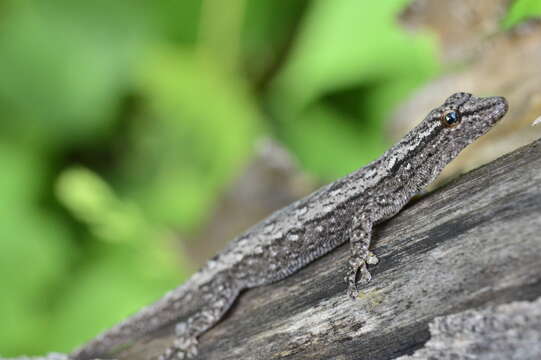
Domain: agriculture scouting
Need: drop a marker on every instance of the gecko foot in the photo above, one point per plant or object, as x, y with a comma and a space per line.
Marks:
184, 346
372, 259
358, 270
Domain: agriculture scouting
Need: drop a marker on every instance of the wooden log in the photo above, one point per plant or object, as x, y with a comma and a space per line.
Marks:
473, 243
508, 331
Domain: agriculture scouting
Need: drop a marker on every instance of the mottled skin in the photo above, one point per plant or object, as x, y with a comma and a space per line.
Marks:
292, 237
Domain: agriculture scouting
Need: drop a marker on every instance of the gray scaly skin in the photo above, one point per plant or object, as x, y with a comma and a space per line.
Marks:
292, 237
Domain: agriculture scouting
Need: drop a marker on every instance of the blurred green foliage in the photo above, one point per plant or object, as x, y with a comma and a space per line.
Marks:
122, 121
522, 10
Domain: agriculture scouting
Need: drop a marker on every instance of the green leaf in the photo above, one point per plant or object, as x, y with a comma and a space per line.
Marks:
64, 65
198, 131
117, 283
349, 52
34, 248
520, 11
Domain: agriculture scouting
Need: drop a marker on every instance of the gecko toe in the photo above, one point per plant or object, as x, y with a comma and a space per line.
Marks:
358, 275
372, 259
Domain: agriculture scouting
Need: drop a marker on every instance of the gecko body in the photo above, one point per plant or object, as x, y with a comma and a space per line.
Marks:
343, 211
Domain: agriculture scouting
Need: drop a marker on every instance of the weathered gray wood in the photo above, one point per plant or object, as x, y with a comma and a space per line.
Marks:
509, 331
472, 243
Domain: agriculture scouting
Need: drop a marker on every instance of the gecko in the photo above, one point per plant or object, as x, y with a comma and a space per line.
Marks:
289, 239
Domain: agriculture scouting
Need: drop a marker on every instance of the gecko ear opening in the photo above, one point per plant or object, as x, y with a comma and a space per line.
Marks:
451, 118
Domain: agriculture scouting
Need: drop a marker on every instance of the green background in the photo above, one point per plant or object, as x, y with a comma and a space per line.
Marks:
122, 121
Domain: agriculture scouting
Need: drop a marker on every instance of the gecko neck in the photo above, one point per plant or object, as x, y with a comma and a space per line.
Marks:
418, 158
403, 171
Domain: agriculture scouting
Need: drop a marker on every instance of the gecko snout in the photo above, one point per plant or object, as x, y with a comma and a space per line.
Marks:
499, 107
492, 109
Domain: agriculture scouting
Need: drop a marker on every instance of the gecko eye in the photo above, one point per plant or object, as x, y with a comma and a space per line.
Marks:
450, 118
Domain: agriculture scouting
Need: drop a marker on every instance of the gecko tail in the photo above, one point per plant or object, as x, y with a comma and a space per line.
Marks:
165, 311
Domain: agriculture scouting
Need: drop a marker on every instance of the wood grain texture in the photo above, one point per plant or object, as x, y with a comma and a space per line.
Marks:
503, 332
475, 242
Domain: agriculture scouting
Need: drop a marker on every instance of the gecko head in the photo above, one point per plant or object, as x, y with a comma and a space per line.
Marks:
470, 114
443, 134
462, 119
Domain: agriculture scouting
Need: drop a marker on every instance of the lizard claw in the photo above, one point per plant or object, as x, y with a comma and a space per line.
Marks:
372, 259
352, 281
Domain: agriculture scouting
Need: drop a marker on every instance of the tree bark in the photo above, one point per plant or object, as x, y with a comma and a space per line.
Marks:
474, 243
508, 331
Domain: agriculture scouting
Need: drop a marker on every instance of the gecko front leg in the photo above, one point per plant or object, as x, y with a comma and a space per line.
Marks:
216, 298
359, 240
